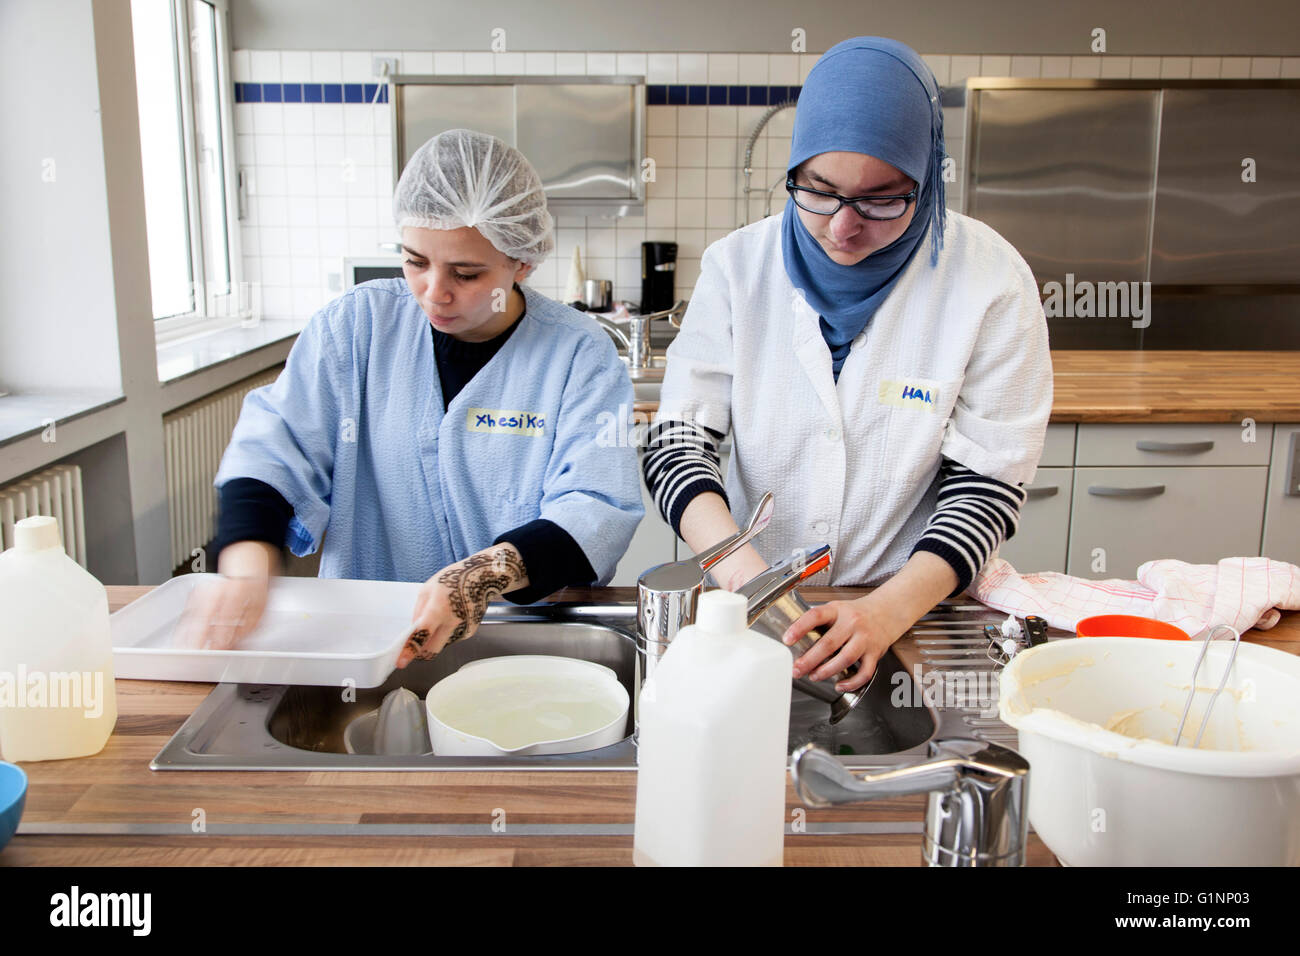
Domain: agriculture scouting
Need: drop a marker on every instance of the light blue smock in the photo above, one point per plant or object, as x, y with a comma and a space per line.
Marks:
354, 436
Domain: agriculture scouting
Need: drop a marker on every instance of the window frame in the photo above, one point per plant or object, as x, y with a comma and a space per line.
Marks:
211, 312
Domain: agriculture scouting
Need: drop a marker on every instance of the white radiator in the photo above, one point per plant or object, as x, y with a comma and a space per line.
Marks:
194, 439
55, 491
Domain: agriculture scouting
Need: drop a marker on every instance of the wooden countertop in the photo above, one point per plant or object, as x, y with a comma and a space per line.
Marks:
1173, 386
1176, 386
110, 809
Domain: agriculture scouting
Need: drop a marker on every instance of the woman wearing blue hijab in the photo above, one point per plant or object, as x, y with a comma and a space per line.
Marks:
880, 363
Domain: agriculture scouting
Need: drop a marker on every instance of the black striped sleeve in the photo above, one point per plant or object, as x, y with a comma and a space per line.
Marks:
974, 515
681, 461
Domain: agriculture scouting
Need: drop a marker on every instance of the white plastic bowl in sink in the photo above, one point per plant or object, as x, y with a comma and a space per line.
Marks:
1096, 718
525, 705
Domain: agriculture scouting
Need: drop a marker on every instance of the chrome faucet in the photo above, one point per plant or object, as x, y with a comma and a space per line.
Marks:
667, 596
774, 605
637, 337
977, 813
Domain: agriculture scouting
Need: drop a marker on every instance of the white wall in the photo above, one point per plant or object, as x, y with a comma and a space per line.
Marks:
59, 328
74, 266
1062, 27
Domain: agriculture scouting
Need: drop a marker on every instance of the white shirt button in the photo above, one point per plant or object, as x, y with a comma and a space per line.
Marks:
832, 434
820, 527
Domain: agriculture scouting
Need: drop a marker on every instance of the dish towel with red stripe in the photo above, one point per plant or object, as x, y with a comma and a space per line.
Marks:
1241, 592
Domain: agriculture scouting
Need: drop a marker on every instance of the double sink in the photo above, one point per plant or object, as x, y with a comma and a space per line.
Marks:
272, 727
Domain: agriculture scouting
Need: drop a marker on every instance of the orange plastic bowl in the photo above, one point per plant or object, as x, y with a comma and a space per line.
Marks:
1128, 625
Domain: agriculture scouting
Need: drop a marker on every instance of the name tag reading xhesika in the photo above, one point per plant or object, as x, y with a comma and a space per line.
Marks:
503, 421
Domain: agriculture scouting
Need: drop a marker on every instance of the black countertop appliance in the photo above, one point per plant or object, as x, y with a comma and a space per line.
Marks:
658, 270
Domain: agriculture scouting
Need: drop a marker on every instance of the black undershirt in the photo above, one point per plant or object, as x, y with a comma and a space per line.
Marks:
252, 510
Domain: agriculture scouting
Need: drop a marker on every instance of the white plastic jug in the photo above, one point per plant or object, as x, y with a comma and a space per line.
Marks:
57, 697
712, 756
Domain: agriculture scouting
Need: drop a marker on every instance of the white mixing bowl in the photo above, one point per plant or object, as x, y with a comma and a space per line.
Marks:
1096, 718
526, 705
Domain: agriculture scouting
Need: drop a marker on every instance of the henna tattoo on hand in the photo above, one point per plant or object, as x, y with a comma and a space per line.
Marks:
472, 583
416, 642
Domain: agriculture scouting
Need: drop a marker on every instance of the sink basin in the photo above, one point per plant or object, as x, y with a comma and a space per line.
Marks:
267, 727
314, 718
647, 382
654, 370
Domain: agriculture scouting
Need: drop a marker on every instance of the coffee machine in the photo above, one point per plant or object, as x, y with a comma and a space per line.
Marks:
658, 270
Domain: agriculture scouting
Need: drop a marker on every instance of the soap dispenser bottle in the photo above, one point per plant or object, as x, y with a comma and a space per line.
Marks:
57, 697
712, 745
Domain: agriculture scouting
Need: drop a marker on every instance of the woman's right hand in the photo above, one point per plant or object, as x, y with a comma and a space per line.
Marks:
223, 612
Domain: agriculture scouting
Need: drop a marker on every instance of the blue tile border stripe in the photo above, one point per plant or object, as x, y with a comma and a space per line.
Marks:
677, 94
656, 94
310, 92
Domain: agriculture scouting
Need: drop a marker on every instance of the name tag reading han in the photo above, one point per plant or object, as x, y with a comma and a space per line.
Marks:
918, 393
504, 422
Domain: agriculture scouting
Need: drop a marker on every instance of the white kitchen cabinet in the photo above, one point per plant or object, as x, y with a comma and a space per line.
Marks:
1058, 447
1282, 511
1178, 445
1040, 540
1123, 517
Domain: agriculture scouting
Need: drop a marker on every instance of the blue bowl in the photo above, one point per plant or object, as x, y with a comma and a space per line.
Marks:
13, 794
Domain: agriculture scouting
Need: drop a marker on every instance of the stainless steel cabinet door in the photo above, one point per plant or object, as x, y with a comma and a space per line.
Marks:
1040, 541
1123, 517
1226, 202
1068, 176
581, 138
429, 110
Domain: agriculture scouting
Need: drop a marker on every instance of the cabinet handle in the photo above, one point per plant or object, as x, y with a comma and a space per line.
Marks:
1041, 491
1175, 447
1108, 491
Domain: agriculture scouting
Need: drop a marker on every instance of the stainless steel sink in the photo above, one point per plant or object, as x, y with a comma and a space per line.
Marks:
647, 383
266, 727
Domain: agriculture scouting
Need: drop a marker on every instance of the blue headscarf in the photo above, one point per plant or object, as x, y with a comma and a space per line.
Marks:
875, 96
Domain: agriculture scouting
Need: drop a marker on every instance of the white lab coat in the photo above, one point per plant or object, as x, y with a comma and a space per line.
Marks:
954, 364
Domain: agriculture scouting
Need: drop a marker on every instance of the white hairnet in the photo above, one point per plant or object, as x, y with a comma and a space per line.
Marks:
466, 178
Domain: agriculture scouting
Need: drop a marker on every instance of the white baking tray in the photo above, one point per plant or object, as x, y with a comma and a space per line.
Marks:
319, 631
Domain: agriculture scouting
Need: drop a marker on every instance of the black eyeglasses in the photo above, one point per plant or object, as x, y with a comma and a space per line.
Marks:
879, 208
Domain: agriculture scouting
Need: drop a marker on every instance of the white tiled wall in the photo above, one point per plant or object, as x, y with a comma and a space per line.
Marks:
320, 174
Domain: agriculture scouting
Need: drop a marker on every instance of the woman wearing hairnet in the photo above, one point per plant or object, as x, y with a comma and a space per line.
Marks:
882, 367
442, 427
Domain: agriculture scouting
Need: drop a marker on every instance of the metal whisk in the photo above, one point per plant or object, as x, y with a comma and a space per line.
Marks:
1191, 694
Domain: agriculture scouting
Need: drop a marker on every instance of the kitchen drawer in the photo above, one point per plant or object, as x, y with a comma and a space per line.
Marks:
1040, 541
1282, 511
1197, 515
1219, 444
1058, 447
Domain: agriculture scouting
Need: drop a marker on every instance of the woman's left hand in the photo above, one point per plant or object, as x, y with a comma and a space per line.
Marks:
852, 631
451, 604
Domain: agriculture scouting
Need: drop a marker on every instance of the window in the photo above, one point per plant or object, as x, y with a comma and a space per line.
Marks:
181, 61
